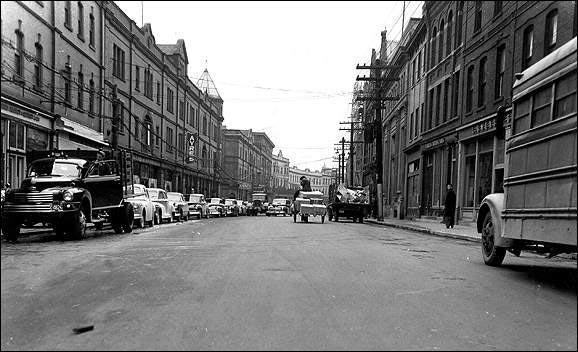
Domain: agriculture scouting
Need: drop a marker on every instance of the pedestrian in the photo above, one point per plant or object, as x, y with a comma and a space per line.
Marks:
450, 207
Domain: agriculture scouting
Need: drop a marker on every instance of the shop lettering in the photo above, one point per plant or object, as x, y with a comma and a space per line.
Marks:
23, 113
484, 126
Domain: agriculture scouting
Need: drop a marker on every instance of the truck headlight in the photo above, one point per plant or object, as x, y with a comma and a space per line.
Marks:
67, 196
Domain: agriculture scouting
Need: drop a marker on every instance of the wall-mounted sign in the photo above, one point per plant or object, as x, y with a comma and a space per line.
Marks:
192, 147
484, 126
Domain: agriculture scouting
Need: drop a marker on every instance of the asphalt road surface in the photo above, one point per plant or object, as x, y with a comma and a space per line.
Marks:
268, 283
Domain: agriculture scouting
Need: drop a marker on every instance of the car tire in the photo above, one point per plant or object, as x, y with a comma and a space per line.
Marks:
295, 217
11, 230
181, 215
140, 224
361, 219
493, 256
77, 229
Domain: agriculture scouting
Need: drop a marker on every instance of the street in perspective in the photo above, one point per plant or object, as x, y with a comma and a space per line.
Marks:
289, 176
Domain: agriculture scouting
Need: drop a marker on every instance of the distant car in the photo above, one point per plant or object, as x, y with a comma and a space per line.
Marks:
216, 207
279, 206
180, 206
231, 207
163, 204
144, 208
198, 206
242, 207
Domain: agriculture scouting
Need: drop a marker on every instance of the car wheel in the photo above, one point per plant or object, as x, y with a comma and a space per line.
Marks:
77, 229
493, 256
11, 230
295, 217
322, 219
140, 223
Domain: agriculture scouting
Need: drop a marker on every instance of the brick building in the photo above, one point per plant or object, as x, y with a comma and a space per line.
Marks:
62, 63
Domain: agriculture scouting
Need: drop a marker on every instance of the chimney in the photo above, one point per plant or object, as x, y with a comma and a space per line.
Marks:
383, 48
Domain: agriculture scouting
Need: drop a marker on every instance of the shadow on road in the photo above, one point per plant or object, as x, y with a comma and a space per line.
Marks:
559, 278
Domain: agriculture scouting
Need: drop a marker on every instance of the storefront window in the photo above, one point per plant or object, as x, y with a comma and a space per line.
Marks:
470, 180
36, 140
485, 175
16, 135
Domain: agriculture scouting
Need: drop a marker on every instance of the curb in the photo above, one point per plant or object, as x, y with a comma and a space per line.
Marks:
425, 230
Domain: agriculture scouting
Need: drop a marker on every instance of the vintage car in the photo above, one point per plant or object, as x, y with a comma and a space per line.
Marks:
216, 207
198, 206
231, 207
144, 208
279, 206
242, 207
164, 206
180, 206
68, 190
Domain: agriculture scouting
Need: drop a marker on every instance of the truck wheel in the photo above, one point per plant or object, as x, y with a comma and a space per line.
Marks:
77, 228
493, 256
322, 219
141, 222
11, 230
361, 219
128, 217
336, 218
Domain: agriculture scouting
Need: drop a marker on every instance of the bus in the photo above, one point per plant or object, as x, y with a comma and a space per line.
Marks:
537, 210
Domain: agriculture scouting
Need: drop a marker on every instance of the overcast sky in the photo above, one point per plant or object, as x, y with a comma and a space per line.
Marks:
284, 68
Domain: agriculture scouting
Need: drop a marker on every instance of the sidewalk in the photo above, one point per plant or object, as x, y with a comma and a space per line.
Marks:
466, 230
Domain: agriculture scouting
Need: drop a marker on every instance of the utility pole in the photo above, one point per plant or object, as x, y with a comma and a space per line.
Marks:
343, 159
115, 117
376, 75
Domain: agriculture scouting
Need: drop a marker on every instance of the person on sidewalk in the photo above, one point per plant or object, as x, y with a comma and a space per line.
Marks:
450, 206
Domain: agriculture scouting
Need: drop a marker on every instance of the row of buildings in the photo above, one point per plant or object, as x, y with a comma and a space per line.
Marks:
82, 74
453, 68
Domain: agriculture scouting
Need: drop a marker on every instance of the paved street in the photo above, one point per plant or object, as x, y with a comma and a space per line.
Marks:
267, 283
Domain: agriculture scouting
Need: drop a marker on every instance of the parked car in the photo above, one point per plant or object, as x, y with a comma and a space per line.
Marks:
198, 206
216, 207
180, 206
279, 206
231, 207
165, 206
144, 208
242, 207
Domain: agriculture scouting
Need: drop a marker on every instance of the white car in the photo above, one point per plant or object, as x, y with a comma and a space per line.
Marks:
144, 208
231, 207
216, 207
198, 206
242, 207
164, 206
180, 206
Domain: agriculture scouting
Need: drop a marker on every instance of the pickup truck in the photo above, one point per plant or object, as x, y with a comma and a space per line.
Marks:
68, 190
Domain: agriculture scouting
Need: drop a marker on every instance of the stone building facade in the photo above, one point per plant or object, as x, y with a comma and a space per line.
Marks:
280, 174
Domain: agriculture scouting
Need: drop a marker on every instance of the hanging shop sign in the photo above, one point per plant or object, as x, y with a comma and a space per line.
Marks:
192, 147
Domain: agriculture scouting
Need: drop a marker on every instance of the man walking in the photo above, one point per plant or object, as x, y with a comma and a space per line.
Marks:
450, 206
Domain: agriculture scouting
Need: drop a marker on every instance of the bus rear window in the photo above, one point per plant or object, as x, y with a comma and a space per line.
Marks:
565, 102
522, 115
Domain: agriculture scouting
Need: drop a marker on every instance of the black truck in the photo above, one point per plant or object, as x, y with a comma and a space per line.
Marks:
355, 210
70, 188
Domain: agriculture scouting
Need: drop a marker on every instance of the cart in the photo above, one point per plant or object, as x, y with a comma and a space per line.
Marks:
309, 204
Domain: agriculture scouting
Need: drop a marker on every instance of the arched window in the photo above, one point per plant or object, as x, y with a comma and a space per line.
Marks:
441, 47
204, 156
433, 46
459, 20
482, 82
551, 32
146, 131
449, 33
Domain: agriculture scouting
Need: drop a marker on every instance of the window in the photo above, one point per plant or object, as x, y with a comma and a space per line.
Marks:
148, 83
541, 106
446, 93
441, 46
470, 89
449, 33
118, 62
456, 91
459, 20
80, 89
433, 47
205, 124
91, 94
91, 29
158, 136
551, 32
182, 110
528, 46
478, 16
137, 78
565, 97
439, 105
413, 72
80, 21
169, 139
16, 135
136, 128
181, 143
170, 100
67, 14
191, 115
482, 82
158, 92
431, 111
19, 53
497, 7
419, 65
148, 131
522, 115
38, 66
500, 69
67, 81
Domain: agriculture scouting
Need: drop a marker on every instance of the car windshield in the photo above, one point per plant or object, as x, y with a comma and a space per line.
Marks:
54, 168
279, 201
258, 196
229, 201
215, 200
153, 193
194, 199
174, 196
